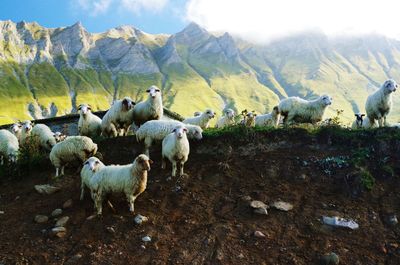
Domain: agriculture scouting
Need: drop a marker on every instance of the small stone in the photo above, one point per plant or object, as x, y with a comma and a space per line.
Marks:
67, 204
330, 259
246, 198
59, 231
43, 231
91, 217
56, 212
392, 220
283, 206
142, 246
74, 259
139, 219
259, 234
110, 229
62, 221
1, 212
258, 204
262, 211
241, 256
146, 239
46, 189
40, 219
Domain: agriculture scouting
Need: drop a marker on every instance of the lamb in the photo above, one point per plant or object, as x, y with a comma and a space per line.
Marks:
16, 129
295, 109
175, 147
43, 136
71, 149
151, 109
156, 130
358, 123
270, 119
202, 120
226, 120
129, 179
8, 146
249, 118
90, 167
118, 118
26, 131
379, 103
88, 124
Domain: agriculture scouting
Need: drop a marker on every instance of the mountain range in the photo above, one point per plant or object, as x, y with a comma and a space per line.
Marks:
47, 72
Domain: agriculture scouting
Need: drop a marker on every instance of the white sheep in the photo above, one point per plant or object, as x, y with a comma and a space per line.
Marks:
8, 146
118, 118
90, 167
379, 103
129, 179
202, 120
175, 147
43, 137
226, 120
26, 131
71, 149
151, 109
156, 130
88, 124
358, 123
295, 109
16, 129
249, 118
270, 119
59, 136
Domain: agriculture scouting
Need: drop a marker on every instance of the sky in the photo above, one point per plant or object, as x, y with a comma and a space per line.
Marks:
258, 20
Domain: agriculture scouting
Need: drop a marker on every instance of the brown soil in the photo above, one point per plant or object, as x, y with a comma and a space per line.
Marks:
204, 218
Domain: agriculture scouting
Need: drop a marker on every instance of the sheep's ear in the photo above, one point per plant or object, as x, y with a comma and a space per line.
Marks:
185, 129
157, 90
89, 107
148, 90
362, 115
150, 161
174, 130
79, 107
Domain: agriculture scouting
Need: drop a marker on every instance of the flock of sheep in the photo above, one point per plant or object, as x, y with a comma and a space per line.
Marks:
144, 118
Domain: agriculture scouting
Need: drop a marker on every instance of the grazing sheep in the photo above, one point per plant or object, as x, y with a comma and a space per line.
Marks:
16, 129
43, 136
202, 120
26, 131
88, 124
156, 130
379, 103
358, 123
71, 149
118, 118
226, 120
8, 146
59, 136
129, 179
90, 167
151, 109
295, 109
270, 119
175, 147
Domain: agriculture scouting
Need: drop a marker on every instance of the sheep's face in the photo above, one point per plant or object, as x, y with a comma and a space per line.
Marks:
326, 100
93, 163
84, 109
196, 132
16, 127
359, 116
210, 113
251, 115
58, 136
390, 86
27, 126
153, 90
197, 113
179, 131
127, 104
230, 113
143, 162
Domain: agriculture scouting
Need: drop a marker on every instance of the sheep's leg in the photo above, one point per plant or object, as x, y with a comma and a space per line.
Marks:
173, 168
2, 160
384, 121
163, 163
82, 190
181, 168
147, 144
62, 170
57, 173
131, 199
98, 203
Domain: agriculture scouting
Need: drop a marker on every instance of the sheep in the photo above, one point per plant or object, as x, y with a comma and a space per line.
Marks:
118, 117
156, 130
88, 124
249, 118
16, 129
358, 123
90, 167
9, 146
26, 131
226, 120
151, 109
72, 148
129, 179
379, 103
175, 147
202, 120
270, 119
43, 136
295, 109
59, 136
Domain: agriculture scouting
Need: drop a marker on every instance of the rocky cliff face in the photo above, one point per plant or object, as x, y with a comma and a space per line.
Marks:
46, 72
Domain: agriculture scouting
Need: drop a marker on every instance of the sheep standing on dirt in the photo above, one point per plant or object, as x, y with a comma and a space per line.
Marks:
26, 131
227, 120
175, 147
90, 167
43, 137
358, 123
151, 109
270, 119
118, 118
202, 120
8, 146
88, 124
71, 149
129, 179
16, 129
156, 130
295, 109
379, 104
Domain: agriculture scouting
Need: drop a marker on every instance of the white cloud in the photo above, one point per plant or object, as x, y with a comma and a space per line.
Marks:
141, 5
94, 7
266, 19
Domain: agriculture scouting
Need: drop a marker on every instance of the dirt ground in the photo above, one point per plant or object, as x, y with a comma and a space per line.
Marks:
205, 218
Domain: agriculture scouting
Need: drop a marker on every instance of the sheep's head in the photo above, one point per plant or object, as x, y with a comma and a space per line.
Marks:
179, 131
197, 113
251, 115
143, 162
127, 104
326, 100
230, 113
59, 136
195, 132
153, 91
27, 126
210, 113
359, 118
93, 163
390, 86
84, 109
16, 127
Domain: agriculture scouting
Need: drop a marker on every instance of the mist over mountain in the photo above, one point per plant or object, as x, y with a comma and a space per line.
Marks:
49, 71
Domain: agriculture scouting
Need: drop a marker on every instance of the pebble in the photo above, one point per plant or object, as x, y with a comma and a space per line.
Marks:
258, 204
142, 246
283, 206
146, 239
330, 259
139, 219
40, 219
56, 212
62, 221
74, 259
261, 211
110, 229
1, 212
46, 189
259, 234
67, 204
91, 217
59, 231
393, 220
246, 198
